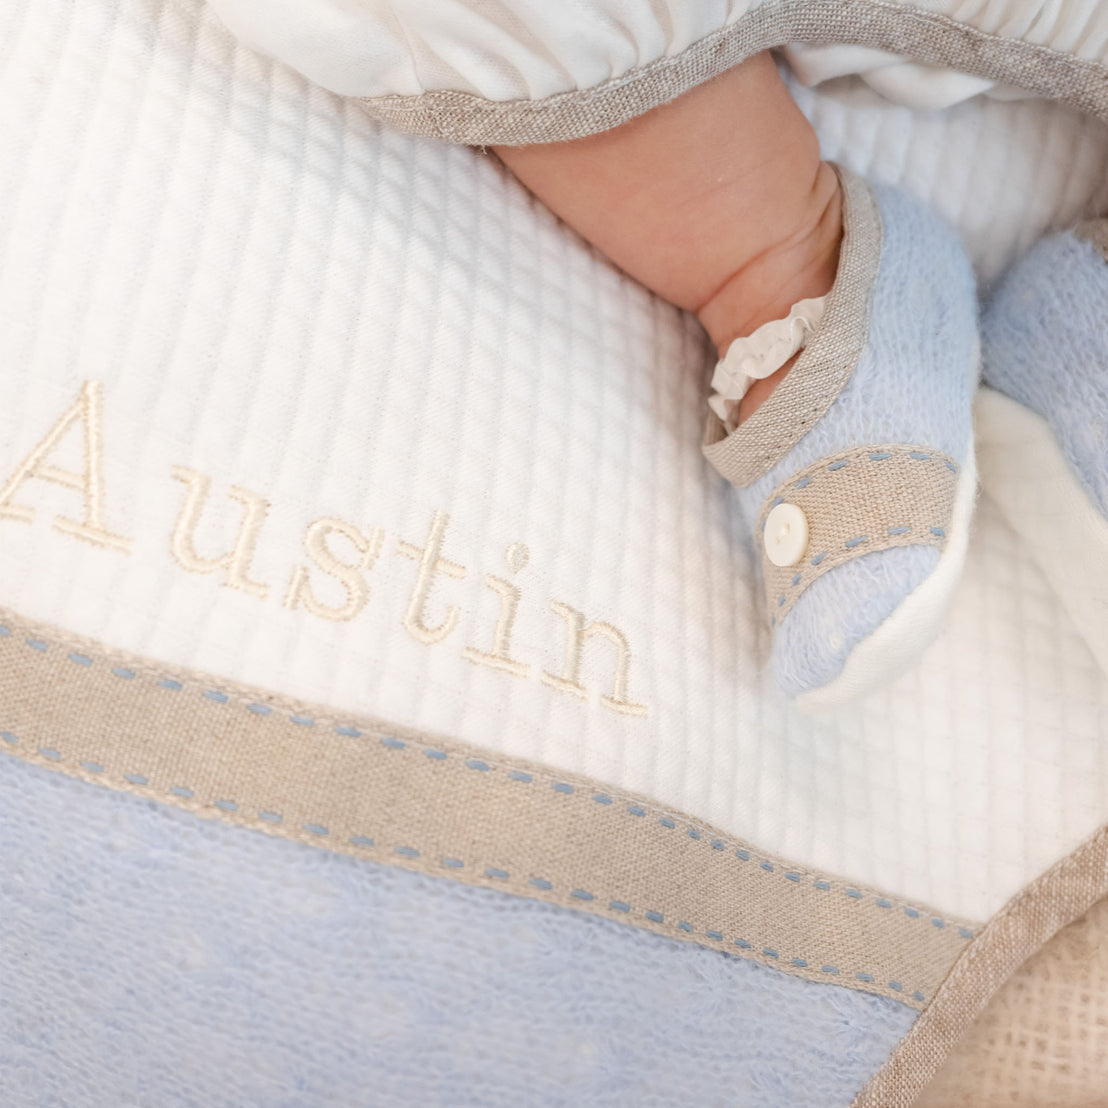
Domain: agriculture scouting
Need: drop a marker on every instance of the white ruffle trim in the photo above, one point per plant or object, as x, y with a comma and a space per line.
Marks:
754, 357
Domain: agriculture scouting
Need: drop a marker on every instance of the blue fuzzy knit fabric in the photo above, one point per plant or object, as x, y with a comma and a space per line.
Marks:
914, 383
152, 958
1045, 344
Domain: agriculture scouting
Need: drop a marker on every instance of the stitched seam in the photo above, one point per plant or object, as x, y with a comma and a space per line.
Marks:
401, 104
489, 876
893, 534
632, 806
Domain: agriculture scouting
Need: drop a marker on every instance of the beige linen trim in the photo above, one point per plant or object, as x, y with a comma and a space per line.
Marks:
859, 502
1043, 1040
925, 36
1029, 920
825, 364
404, 798
1096, 232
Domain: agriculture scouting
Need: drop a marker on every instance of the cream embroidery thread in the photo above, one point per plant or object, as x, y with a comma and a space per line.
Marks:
89, 483
577, 634
348, 572
430, 562
350, 575
516, 557
236, 561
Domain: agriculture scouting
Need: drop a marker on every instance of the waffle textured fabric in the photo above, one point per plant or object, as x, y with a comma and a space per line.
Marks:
174, 961
914, 384
1045, 344
274, 294
1043, 1040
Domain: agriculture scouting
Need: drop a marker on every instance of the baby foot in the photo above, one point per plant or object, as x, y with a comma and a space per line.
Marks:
856, 477
1044, 430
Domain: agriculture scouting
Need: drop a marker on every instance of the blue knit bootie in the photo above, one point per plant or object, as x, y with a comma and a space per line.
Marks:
856, 476
1043, 420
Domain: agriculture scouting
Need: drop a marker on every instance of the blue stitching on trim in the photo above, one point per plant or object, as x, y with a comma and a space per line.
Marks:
769, 952
830, 969
684, 925
276, 817
541, 883
655, 917
499, 874
867, 977
938, 531
917, 995
182, 791
898, 530
839, 464
803, 483
361, 840
316, 828
716, 935
800, 962
880, 456
819, 558
477, 764
742, 944
896, 986
406, 851
857, 541
917, 456
453, 863
619, 905
136, 779
518, 775
581, 894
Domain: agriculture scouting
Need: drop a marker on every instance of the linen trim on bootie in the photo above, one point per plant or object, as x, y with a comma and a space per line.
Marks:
858, 502
826, 364
755, 357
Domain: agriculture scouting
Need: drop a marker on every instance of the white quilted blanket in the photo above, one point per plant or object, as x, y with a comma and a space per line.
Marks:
269, 291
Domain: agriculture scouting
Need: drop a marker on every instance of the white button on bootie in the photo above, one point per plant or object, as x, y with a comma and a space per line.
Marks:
856, 476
